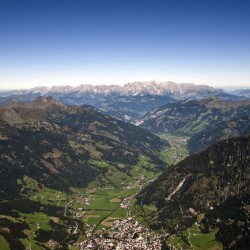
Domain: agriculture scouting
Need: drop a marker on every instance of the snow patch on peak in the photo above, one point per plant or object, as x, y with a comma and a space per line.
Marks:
134, 89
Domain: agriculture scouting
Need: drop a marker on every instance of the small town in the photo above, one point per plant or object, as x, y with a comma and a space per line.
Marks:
124, 234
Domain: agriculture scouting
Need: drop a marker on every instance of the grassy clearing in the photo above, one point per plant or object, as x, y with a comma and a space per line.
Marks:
36, 220
102, 206
108, 221
4, 244
168, 155
96, 217
146, 214
10, 218
31, 243
205, 241
193, 238
92, 216
115, 200
113, 193
144, 169
102, 203
100, 164
42, 194
120, 213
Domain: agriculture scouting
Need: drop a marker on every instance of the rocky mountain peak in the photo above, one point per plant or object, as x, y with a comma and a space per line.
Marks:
134, 88
43, 102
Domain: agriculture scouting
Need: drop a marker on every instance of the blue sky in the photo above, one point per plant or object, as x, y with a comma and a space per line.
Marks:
58, 42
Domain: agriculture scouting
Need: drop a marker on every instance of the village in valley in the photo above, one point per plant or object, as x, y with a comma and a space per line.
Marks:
123, 234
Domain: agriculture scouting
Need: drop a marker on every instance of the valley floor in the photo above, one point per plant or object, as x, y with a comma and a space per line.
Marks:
100, 218
106, 217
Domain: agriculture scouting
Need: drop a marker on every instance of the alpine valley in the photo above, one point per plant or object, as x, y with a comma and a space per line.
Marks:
149, 165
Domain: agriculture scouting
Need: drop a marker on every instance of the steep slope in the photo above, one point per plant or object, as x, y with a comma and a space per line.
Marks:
213, 185
63, 146
205, 121
234, 127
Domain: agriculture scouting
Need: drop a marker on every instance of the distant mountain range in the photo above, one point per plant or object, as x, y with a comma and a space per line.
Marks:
211, 189
241, 92
136, 88
128, 102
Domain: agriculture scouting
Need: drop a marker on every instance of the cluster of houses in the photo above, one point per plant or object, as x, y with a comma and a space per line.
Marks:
124, 234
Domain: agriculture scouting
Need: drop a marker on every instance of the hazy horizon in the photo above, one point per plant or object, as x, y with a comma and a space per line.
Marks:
230, 88
49, 42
